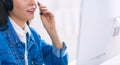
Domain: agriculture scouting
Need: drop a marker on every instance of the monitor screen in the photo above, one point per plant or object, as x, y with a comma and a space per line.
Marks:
96, 31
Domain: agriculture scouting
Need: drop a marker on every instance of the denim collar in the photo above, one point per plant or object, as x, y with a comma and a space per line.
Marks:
11, 35
13, 38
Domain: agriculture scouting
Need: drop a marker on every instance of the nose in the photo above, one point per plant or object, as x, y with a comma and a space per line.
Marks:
32, 2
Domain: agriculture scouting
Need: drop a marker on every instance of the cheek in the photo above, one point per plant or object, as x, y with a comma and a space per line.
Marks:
19, 9
19, 6
18, 12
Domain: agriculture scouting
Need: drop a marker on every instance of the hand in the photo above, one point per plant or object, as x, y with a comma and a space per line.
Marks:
47, 18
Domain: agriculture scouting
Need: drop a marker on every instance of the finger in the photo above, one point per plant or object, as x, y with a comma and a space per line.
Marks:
44, 9
48, 13
44, 12
41, 7
38, 3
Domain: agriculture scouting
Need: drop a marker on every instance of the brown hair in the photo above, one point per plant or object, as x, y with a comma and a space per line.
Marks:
3, 14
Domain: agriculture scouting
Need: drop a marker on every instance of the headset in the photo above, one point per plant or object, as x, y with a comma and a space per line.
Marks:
8, 4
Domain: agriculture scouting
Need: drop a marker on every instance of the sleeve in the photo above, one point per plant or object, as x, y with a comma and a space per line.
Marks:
60, 52
54, 56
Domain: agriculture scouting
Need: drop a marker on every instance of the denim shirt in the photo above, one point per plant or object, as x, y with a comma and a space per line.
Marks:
12, 50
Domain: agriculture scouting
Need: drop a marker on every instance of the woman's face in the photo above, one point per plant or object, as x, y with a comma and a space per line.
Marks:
23, 9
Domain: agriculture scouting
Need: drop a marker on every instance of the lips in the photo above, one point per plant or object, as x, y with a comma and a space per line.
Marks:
31, 11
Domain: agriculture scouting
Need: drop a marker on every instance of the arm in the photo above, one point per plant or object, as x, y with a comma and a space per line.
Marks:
48, 22
57, 52
53, 55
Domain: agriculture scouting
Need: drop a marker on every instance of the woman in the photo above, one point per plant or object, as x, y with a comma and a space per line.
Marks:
21, 45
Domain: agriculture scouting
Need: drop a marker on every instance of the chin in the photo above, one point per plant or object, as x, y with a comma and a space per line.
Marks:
30, 18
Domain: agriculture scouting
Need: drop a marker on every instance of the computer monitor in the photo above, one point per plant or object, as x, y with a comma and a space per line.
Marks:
96, 31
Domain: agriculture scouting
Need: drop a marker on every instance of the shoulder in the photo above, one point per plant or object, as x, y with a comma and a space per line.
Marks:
1, 35
2, 41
